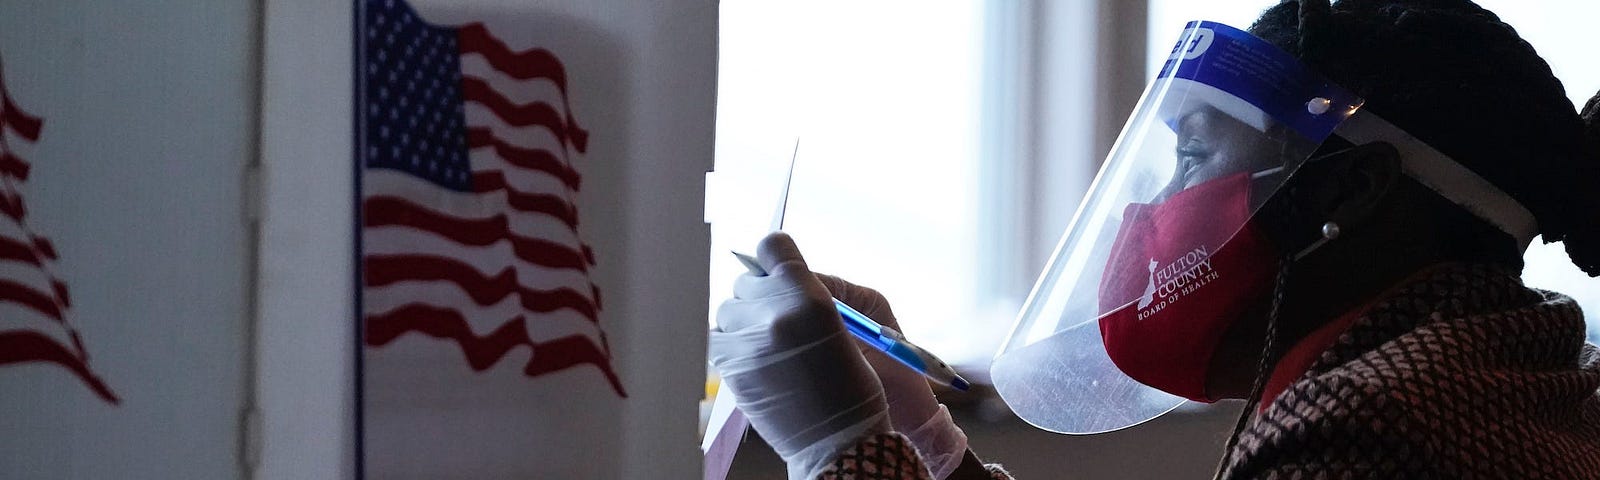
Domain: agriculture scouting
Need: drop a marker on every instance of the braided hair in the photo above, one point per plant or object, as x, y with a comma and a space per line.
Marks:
1453, 75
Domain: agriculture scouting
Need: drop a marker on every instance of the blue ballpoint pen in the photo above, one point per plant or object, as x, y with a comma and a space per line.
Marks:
884, 339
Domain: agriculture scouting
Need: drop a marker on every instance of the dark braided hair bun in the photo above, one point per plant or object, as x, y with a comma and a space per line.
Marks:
1453, 75
1583, 240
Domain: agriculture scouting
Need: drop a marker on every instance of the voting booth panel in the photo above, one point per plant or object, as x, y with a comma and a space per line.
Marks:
124, 259
227, 252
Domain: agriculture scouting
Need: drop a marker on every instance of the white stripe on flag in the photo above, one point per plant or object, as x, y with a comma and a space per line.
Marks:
487, 260
15, 143
27, 274
523, 179
9, 228
386, 181
16, 317
521, 92
532, 136
467, 206
482, 319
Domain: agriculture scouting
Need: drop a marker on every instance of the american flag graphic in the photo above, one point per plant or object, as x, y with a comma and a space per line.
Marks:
469, 222
34, 303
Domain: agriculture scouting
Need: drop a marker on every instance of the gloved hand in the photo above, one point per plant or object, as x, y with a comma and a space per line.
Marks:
794, 370
913, 410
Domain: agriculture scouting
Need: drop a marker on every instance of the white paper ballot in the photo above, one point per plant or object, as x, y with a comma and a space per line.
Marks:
726, 427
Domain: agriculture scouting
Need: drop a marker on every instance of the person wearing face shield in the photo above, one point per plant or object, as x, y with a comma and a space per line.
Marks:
1324, 216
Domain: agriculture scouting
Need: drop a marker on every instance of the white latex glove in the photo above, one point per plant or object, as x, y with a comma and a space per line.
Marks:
913, 410
794, 370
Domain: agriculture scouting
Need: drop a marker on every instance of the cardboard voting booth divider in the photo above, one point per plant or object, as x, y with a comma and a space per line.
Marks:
376, 239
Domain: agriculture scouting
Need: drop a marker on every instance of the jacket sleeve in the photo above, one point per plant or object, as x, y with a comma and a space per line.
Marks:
886, 456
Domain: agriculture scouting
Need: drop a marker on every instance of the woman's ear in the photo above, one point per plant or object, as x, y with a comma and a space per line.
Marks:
1351, 185
1370, 176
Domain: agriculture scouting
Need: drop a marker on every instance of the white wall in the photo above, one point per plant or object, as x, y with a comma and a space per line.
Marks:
136, 179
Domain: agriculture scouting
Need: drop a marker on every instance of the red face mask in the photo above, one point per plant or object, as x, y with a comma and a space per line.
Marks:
1177, 278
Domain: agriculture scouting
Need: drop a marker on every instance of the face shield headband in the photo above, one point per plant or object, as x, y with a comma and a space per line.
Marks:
1165, 253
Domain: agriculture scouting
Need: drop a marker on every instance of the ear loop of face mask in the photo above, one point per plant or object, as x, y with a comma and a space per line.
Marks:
1269, 345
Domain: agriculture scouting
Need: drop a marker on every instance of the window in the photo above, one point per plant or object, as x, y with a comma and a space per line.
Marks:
884, 98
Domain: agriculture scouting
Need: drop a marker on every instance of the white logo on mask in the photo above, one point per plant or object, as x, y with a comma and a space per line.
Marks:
1150, 288
1183, 276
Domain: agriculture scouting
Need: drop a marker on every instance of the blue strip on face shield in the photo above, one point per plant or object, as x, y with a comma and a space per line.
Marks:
1225, 104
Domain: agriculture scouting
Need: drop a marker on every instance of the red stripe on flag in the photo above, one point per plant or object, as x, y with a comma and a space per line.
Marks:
62, 296
524, 65
25, 125
483, 352
475, 89
44, 247
14, 166
18, 252
381, 270
35, 253
567, 352
27, 296
21, 346
11, 205
386, 210
552, 205
530, 158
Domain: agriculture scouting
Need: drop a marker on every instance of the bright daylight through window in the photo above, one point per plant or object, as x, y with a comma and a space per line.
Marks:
886, 114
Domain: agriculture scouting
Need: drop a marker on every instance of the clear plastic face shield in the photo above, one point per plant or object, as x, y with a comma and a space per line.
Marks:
1164, 235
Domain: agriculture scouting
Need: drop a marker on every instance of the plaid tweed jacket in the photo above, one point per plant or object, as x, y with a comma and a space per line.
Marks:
1463, 373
